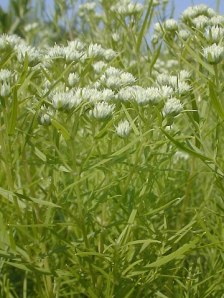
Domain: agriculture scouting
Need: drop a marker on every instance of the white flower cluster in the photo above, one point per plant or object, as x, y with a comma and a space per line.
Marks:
180, 156
214, 53
214, 34
202, 17
45, 116
116, 36
33, 55
5, 82
144, 96
73, 79
217, 20
78, 51
99, 66
194, 18
102, 110
170, 25
200, 22
94, 86
132, 93
166, 66
123, 129
31, 26
115, 78
194, 11
171, 86
65, 100
9, 41
172, 107
86, 8
125, 7
184, 34
178, 83
94, 95
20, 48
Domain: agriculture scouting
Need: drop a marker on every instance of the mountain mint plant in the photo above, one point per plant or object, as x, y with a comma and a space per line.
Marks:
111, 150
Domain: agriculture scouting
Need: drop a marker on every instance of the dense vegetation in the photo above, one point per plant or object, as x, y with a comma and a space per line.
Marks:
111, 150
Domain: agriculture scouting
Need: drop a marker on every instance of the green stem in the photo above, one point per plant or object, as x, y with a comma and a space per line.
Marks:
216, 141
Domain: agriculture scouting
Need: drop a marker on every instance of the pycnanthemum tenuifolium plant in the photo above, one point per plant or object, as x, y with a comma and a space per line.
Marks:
111, 151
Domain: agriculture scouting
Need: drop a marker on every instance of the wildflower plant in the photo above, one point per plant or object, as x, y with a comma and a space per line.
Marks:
111, 152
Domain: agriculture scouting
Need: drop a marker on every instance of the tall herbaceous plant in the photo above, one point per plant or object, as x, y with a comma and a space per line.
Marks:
111, 150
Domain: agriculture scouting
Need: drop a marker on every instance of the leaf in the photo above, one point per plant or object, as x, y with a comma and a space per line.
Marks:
132, 217
120, 151
37, 201
9, 196
154, 211
103, 272
144, 241
174, 255
144, 25
4, 254
183, 147
40, 154
13, 118
24, 75
214, 99
133, 126
131, 266
18, 265
61, 128
103, 131
92, 253
197, 57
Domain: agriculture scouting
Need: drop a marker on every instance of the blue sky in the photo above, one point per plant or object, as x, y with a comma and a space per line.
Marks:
180, 5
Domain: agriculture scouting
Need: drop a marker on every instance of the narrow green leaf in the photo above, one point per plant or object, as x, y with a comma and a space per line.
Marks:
103, 131
132, 217
144, 25
197, 57
215, 101
103, 272
37, 201
131, 266
13, 118
9, 196
18, 265
61, 128
24, 71
174, 255
148, 241
154, 211
183, 147
131, 121
40, 154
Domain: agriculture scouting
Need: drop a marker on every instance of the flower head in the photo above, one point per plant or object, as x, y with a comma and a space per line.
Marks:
102, 110
123, 129
5, 82
214, 53
66, 100
171, 25
172, 107
214, 34
73, 78
45, 116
